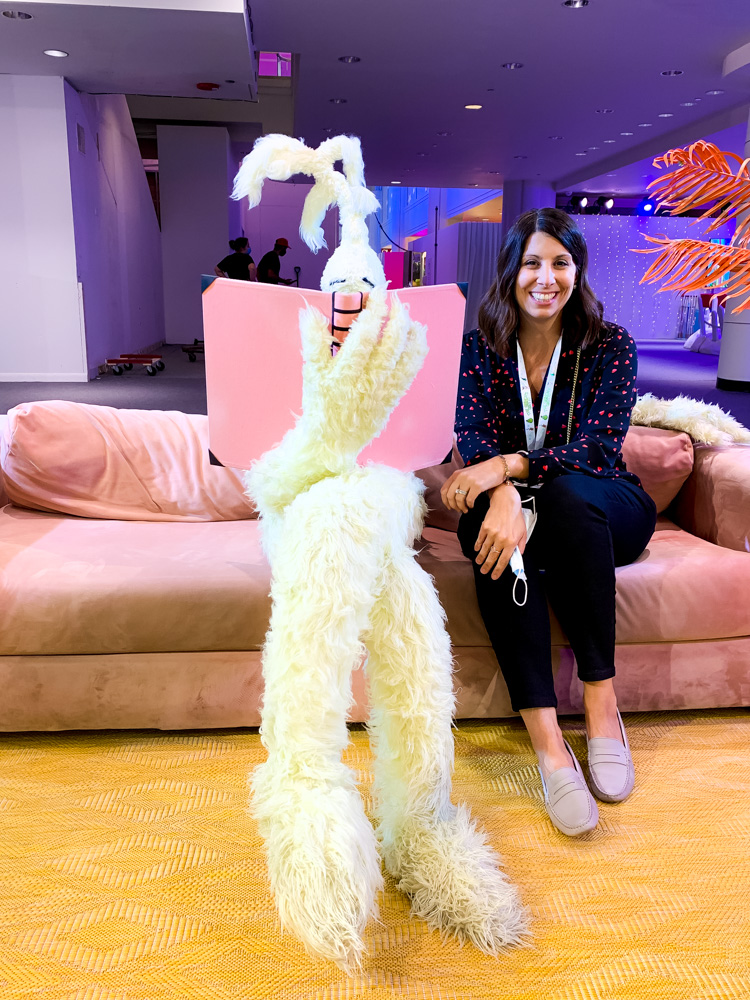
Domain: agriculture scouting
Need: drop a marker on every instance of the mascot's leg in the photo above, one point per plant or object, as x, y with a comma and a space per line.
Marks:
432, 847
322, 853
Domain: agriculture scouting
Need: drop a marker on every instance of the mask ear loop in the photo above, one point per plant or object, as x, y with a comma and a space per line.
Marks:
521, 577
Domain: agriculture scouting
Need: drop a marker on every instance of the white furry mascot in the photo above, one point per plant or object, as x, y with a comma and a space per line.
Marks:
345, 581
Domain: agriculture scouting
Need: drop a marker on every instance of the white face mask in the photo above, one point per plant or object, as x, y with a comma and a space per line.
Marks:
516, 560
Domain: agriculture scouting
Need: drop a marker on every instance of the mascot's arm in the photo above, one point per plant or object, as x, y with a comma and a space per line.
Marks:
346, 399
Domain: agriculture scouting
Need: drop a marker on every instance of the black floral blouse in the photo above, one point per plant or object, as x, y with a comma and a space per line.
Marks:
489, 413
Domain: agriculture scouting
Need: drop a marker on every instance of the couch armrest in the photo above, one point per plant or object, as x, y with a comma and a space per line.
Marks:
714, 503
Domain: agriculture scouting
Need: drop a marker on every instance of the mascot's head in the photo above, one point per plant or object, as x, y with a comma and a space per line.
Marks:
353, 266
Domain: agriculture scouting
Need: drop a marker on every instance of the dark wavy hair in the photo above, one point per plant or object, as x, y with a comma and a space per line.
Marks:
582, 314
238, 244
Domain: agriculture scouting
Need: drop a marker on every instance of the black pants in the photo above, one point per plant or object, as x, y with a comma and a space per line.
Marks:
585, 527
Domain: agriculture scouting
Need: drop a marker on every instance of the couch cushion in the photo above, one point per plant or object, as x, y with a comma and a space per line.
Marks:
682, 588
662, 460
70, 586
99, 461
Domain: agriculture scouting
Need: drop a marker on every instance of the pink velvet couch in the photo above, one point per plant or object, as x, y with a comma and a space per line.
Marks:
134, 592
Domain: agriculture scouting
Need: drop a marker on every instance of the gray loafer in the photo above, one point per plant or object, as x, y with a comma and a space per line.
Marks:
568, 800
611, 771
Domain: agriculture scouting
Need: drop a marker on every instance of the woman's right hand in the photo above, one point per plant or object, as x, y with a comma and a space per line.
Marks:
503, 528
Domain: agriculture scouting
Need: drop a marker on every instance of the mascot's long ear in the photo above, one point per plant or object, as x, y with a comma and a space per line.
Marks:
275, 157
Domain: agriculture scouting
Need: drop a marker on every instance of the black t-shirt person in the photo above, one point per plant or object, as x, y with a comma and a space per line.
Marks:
270, 264
235, 265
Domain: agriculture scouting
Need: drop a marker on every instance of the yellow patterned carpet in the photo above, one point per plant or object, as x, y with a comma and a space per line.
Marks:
129, 870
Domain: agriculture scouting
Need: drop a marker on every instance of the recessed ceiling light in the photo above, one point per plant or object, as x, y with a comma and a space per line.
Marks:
395, 182
328, 130
474, 185
554, 137
349, 59
671, 72
56, 53
688, 104
230, 81
520, 156
473, 107
490, 90
592, 147
604, 111
421, 154
337, 100
714, 93
581, 154
512, 65
666, 114
645, 125
611, 175
610, 140
19, 15
626, 133
495, 173
444, 134
575, 4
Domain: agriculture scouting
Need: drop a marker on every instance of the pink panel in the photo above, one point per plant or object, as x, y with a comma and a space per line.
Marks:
254, 372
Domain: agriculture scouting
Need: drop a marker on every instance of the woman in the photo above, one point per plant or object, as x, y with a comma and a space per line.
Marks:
238, 265
542, 343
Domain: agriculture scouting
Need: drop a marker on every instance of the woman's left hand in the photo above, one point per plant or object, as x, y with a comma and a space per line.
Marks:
464, 486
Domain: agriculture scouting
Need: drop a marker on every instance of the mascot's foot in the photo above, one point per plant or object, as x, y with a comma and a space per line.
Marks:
453, 878
323, 863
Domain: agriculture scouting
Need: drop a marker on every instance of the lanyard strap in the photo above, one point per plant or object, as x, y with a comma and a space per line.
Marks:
535, 434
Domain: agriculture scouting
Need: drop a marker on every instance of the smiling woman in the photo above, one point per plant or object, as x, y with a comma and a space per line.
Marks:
545, 397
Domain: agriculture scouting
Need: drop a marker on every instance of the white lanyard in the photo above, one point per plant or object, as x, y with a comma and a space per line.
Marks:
535, 434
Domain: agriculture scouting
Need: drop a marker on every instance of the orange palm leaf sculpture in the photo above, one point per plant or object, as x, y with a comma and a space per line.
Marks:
703, 178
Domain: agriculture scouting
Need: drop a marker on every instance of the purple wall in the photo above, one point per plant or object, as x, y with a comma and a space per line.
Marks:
118, 253
615, 271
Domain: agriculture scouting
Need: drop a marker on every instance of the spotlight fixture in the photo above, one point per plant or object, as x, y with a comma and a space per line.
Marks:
645, 207
575, 4
17, 15
671, 72
472, 107
56, 53
577, 203
337, 100
512, 65
714, 93
604, 203
349, 59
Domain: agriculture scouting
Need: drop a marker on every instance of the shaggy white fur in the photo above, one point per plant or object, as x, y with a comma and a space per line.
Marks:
345, 581
706, 423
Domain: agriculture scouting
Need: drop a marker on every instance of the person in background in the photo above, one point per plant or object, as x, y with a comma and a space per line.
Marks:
238, 265
544, 402
270, 264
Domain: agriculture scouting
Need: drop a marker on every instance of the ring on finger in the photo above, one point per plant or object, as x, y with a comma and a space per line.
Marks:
463, 493
496, 551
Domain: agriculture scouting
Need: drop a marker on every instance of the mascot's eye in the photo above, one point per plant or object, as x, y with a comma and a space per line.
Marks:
368, 282
338, 281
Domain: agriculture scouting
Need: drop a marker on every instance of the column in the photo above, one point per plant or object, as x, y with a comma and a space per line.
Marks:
521, 196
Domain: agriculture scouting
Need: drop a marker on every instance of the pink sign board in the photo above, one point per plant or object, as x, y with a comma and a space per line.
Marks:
254, 372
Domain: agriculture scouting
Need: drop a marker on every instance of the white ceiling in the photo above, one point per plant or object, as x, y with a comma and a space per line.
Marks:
164, 47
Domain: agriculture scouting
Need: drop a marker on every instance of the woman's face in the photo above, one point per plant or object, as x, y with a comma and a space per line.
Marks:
546, 278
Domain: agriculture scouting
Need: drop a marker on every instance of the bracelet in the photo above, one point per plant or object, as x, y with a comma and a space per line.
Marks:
504, 460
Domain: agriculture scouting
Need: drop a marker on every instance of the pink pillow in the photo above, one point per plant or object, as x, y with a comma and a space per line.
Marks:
661, 459
133, 465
